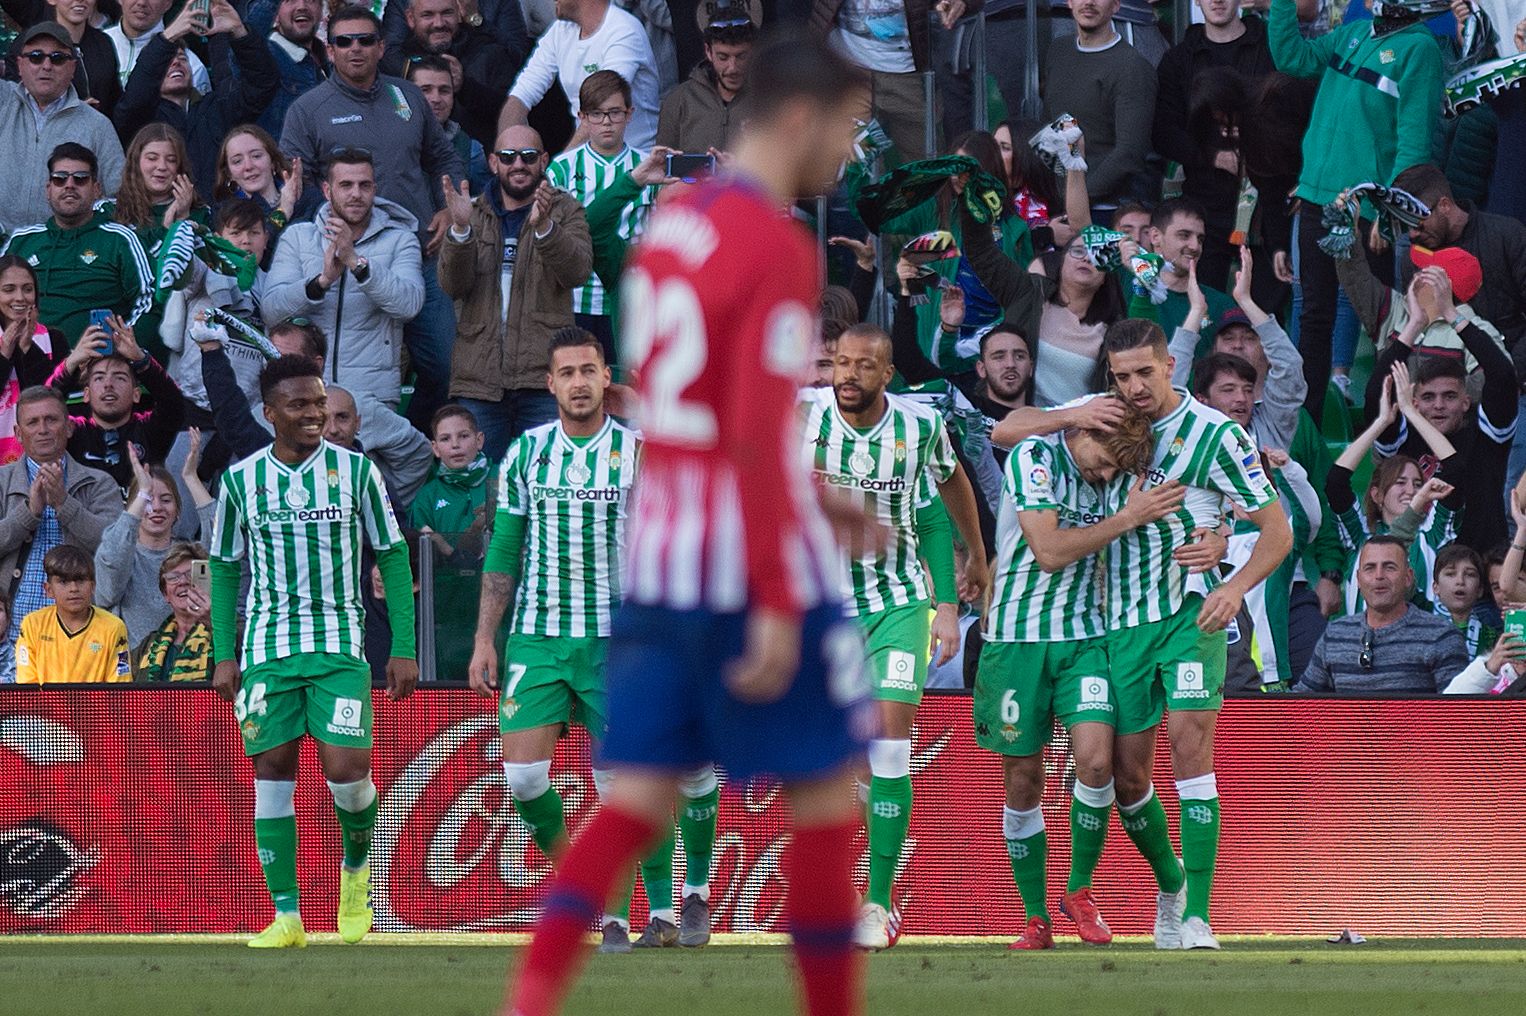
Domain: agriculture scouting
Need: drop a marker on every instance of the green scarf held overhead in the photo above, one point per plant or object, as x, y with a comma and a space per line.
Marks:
1391, 205
187, 239
913, 184
1104, 249
467, 477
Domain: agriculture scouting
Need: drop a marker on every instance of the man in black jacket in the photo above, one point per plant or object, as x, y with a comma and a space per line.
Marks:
110, 384
483, 70
159, 88
1183, 111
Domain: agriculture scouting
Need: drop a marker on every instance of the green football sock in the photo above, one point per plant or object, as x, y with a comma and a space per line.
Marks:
1028, 850
1088, 832
696, 821
1146, 825
620, 903
543, 815
355, 830
889, 818
1200, 846
276, 839
657, 877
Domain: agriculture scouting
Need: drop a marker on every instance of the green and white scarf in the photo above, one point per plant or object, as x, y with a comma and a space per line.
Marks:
913, 184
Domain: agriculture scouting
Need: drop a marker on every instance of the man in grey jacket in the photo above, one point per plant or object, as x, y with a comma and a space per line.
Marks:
46, 499
355, 269
358, 107
39, 114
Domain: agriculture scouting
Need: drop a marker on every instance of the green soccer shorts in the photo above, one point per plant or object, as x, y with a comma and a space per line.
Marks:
1165, 663
322, 694
1023, 687
896, 646
553, 679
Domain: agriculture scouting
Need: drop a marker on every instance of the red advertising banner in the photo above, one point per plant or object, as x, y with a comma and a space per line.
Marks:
129, 810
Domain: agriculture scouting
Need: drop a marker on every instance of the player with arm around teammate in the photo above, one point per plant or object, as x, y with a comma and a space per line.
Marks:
1044, 656
298, 510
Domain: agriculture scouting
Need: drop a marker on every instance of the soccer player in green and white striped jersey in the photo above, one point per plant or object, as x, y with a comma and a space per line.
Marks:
1044, 657
587, 169
876, 448
1166, 646
297, 512
557, 545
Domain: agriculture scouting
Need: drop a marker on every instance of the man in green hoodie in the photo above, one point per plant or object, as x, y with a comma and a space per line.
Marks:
1376, 110
452, 510
84, 261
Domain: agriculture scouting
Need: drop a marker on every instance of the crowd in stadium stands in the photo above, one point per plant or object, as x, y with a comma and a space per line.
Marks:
418, 194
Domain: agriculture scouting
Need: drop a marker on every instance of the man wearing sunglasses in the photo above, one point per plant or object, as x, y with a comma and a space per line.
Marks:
1392, 645
360, 108
40, 113
481, 69
512, 257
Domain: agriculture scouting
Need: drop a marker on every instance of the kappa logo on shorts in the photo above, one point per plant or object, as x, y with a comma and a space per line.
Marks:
1094, 694
1189, 680
900, 671
348, 714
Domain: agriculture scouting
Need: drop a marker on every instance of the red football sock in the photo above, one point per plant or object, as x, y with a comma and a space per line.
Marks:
607, 847
822, 908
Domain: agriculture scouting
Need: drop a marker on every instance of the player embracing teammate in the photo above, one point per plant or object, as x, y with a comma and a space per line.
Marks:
1164, 646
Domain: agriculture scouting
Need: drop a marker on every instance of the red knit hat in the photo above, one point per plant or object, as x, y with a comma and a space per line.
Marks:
1462, 268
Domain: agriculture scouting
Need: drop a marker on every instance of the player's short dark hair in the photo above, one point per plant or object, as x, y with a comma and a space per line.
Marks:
572, 336
76, 152
353, 12
1206, 370
237, 213
427, 62
866, 330
348, 155
791, 63
600, 85
1135, 333
286, 368
1131, 442
68, 563
1435, 366
314, 343
1172, 207
1425, 181
450, 410
1459, 553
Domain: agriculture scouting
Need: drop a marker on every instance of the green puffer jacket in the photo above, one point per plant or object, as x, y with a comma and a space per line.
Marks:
1378, 103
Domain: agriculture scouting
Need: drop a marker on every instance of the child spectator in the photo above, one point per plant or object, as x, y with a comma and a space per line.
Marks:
1458, 585
1399, 499
451, 510
72, 641
180, 649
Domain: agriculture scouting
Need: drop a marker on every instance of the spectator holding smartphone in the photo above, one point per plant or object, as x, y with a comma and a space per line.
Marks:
180, 649
129, 576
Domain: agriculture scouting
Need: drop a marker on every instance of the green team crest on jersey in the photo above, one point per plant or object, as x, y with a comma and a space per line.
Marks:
884, 466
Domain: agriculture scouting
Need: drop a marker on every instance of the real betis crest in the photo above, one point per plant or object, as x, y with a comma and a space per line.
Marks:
89, 257
400, 104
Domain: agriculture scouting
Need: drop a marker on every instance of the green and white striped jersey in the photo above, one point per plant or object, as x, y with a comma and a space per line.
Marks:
573, 497
1029, 604
884, 464
301, 528
1216, 460
583, 173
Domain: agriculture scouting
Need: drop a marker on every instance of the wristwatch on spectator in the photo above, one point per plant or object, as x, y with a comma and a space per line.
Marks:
362, 270
474, 19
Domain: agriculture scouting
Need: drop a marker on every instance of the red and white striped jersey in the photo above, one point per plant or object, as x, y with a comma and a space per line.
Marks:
718, 312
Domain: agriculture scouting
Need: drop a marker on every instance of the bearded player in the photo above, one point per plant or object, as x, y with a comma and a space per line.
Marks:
879, 448
298, 510
1166, 646
731, 644
1045, 658
557, 547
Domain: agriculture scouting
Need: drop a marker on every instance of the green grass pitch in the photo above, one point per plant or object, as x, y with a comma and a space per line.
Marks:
1267, 977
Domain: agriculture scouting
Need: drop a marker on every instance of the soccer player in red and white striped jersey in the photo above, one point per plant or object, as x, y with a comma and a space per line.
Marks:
732, 644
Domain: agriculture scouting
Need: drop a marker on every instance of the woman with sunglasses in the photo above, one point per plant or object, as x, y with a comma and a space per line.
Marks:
29, 350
